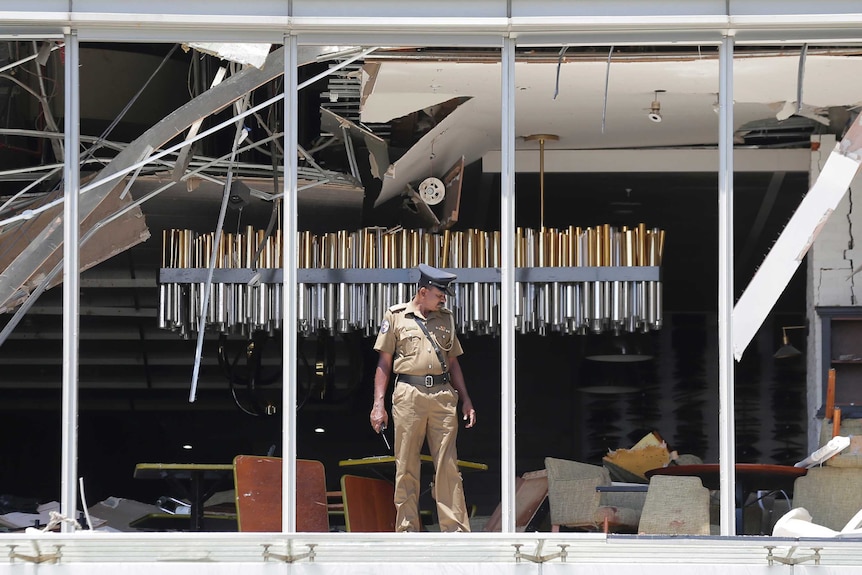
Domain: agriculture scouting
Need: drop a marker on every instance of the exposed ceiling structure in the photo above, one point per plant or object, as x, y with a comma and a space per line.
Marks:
594, 102
404, 115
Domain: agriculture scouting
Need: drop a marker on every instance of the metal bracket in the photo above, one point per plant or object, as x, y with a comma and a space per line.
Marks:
267, 554
39, 557
788, 560
537, 558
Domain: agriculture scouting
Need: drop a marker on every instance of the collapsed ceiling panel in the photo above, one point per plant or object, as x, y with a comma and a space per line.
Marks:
111, 239
573, 106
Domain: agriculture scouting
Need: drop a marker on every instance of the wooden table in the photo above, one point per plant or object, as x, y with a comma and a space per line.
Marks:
750, 477
195, 481
384, 465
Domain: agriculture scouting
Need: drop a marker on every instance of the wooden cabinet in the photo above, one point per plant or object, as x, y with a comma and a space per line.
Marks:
842, 350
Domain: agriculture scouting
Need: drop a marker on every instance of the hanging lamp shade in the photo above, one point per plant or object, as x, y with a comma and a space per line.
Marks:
787, 350
618, 348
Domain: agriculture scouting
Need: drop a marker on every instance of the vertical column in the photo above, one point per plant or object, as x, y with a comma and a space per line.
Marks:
507, 286
726, 428
289, 251
71, 280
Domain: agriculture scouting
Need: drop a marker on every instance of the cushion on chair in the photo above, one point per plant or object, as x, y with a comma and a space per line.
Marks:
831, 494
675, 505
575, 502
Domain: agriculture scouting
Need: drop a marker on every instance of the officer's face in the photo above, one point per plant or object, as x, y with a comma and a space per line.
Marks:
434, 297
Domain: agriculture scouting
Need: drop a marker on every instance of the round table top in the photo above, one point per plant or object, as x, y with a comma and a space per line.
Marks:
754, 476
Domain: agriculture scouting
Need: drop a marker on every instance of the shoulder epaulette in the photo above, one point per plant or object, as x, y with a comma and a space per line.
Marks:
399, 307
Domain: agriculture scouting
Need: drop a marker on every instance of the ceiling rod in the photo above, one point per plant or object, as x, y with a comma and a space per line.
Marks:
542, 138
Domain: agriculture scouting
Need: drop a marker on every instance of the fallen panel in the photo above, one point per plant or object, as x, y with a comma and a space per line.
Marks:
116, 237
461, 134
788, 252
49, 238
378, 149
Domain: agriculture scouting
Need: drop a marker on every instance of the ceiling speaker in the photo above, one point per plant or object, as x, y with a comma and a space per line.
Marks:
432, 190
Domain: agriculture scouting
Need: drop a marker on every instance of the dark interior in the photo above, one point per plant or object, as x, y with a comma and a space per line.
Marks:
134, 378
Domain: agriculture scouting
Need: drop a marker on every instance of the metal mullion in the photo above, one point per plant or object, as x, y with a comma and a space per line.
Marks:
727, 450
289, 251
71, 281
507, 287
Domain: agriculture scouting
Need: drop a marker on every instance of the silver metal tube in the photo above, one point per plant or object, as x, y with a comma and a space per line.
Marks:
163, 306
556, 305
569, 306
264, 306
651, 306
519, 301
616, 312
303, 291
625, 302
580, 314
240, 306
329, 315
597, 311
477, 303
643, 303
277, 311
220, 316
343, 304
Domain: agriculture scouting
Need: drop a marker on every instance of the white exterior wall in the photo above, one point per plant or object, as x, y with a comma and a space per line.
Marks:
831, 261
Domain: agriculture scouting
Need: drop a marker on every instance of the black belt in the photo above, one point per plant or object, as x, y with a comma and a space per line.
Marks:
425, 380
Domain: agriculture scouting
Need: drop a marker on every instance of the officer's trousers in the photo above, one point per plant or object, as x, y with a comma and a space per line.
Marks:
419, 412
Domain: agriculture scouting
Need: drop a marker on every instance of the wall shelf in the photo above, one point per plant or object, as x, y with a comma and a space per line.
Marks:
842, 337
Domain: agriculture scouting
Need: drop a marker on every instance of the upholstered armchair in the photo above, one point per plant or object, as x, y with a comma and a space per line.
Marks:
831, 494
675, 505
575, 502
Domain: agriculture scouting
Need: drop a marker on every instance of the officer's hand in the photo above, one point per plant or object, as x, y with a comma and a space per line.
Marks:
379, 419
470, 417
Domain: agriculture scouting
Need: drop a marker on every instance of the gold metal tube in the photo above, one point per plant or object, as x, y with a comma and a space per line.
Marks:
542, 246
343, 249
597, 246
164, 247
660, 247
606, 245
641, 252
181, 248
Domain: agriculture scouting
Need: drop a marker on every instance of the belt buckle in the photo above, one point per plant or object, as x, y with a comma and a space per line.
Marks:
429, 381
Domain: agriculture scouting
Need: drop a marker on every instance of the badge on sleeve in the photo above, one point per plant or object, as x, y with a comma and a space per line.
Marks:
384, 327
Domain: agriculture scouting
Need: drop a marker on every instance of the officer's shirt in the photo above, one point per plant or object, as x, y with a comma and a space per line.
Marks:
412, 353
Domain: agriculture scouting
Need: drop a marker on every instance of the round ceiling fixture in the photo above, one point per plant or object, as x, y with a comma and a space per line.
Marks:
432, 191
655, 108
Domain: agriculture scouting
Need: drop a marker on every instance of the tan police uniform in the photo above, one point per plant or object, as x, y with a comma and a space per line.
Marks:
424, 406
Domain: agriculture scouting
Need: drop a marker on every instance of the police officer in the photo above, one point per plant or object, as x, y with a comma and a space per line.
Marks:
417, 341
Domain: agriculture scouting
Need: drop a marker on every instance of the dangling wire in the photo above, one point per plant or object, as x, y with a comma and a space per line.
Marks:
800, 77
607, 80
559, 64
